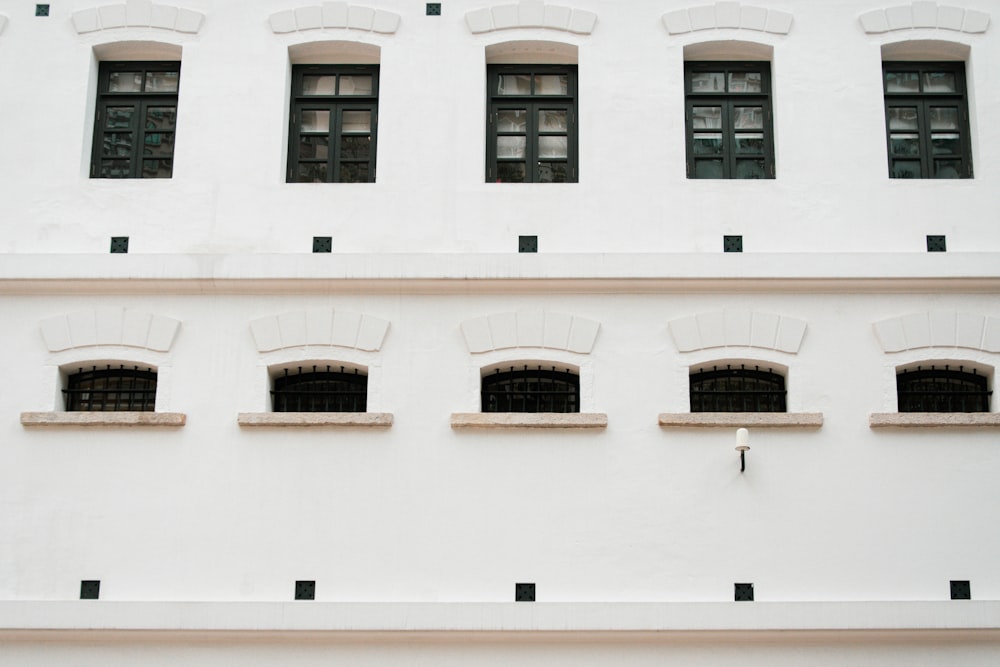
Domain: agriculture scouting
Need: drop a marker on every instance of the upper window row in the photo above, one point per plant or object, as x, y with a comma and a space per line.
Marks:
532, 121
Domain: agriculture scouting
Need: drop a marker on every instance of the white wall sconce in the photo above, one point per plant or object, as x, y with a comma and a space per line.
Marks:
742, 437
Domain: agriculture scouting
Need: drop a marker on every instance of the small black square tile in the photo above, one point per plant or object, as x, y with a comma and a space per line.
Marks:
524, 592
433, 9
322, 244
41, 10
527, 244
960, 590
936, 244
743, 592
732, 244
119, 244
90, 589
305, 590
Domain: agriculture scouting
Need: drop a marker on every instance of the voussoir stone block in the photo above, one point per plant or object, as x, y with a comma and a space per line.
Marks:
188, 21
890, 335
899, 17
753, 18
479, 20
924, 14
702, 18
135, 328
112, 16
56, 333
950, 18
385, 23
83, 328
582, 335
309, 18
712, 328
975, 21
138, 12
266, 334
371, 333
319, 326
293, 329
737, 327
764, 330
684, 331
942, 327
283, 22
335, 14
345, 328
503, 330
778, 22
162, 331
969, 329
557, 18
677, 22
582, 22
477, 335
85, 20
916, 328
360, 18
504, 16
790, 334
530, 328
991, 337
557, 327
874, 22
727, 15
163, 16
108, 325
531, 14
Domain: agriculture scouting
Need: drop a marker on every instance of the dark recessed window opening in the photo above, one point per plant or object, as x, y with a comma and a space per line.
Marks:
737, 389
305, 590
111, 390
433, 9
728, 120
942, 389
961, 590
119, 244
927, 120
320, 390
531, 390
136, 120
531, 128
334, 118
743, 592
90, 589
936, 244
524, 592
41, 10
322, 244
732, 244
527, 244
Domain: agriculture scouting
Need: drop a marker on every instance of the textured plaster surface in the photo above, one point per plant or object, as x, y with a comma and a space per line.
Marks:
528, 420
743, 419
306, 419
103, 419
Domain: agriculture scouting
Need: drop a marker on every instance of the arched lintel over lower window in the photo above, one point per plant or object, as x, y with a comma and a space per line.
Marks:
334, 52
729, 49
532, 51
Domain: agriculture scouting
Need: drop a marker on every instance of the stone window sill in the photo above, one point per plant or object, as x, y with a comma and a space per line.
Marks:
744, 419
529, 420
169, 419
934, 420
312, 419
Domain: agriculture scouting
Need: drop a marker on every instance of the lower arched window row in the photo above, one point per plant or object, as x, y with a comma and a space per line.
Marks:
737, 389
942, 389
315, 390
111, 389
531, 389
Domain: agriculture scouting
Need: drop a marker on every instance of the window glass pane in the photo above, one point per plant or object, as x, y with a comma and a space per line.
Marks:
902, 82
550, 120
906, 168
159, 144
944, 118
905, 144
552, 172
315, 121
157, 168
708, 82
311, 172
125, 82
945, 144
706, 143
357, 121
313, 147
161, 118
552, 147
115, 169
748, 143
512, 120
744, 82
354, 172
939, 82
706, 118
356, 84
118, 117
748, 118
162, 82
708, 169
511, 147
514, 84
355, 147
903, 118
750, 169
319, 84
510, 172
551, 84
947, 168
117, 144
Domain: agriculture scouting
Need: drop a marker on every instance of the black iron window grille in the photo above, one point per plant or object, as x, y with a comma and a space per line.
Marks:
136, 120
333, 122
737, 389
531, 124
321, 391
111, 390
531, 390
944, 389
927, 120
728, 120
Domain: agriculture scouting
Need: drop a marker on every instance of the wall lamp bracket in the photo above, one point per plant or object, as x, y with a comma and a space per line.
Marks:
742, 437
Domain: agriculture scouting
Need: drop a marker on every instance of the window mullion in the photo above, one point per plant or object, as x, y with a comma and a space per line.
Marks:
333, 139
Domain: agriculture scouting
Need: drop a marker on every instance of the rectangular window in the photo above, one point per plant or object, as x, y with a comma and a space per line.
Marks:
728, 120
136, 118
927, 120
334, 117
531, 128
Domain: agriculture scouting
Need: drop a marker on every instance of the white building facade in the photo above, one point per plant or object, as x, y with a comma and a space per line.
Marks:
806, 191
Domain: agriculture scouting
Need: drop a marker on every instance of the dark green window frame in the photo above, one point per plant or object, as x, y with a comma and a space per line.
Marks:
531, 390
728, 120
333, 124
111, 390
739, 389
927, 120
135, 123
531, 124
942, 390
320, 391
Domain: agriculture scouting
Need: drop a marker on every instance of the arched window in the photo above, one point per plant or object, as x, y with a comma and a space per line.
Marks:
321, 391
737, 389
937, 389
531, 390
111, 390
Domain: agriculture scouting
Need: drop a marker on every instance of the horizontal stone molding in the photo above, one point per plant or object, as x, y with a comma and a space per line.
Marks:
737, 328
307, 419
732, 15
924, 15
934, 419
744, 419
170, 419
138, 14
530, 328
529, 420
109, 326
321, 326
336, 15
939, 328
531, 14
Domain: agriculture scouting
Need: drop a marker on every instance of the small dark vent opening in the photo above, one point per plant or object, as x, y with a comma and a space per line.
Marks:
527, 244
322, 244
305, 590
119, 244
433, 9
743, 592
732, 244
936, 244
90, 589
960, 590
524, 592
41, 10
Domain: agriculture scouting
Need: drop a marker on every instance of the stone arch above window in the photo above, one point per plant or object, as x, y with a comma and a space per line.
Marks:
338, 15
738, 328
324, 326
530, 328
531, 14
939, 328
109, 326
730, 15
341, 52
138, 14
924, 15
